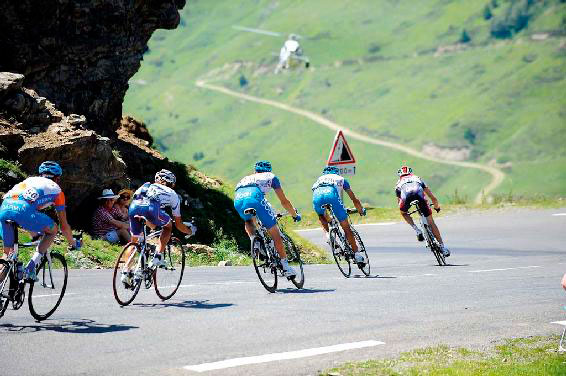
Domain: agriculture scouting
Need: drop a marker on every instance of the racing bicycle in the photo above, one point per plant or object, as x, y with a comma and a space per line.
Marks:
133, 262
431, 241
266, 260
341, 249
44, 295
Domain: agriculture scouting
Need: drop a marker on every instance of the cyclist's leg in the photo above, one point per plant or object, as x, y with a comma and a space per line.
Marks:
166, 231
434, 229
318, 199
342, 216
278, 241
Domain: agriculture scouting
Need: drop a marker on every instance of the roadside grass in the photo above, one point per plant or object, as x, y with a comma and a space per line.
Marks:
522, 356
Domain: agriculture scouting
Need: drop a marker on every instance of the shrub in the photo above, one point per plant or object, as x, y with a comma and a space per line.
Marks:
465, 37
515, 19
487, 13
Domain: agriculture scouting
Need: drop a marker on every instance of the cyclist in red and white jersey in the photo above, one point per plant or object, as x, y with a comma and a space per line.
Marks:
410, 188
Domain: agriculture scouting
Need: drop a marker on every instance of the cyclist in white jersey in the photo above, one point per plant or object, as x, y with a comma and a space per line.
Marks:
326, 190
149, 201
410, 188
250, 193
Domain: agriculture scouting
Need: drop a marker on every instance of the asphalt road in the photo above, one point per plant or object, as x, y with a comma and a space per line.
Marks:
504, 282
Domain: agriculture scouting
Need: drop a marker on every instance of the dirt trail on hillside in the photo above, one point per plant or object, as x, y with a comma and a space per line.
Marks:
497, 175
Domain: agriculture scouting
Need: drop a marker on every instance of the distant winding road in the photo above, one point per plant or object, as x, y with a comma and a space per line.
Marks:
497, 175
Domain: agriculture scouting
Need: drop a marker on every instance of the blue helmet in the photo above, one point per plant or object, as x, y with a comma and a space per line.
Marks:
263, 166
331, 170
50, 168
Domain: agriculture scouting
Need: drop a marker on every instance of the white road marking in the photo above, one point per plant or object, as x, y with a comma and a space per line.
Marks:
356, 225
236, 362
46, 295
498, 270
559, 214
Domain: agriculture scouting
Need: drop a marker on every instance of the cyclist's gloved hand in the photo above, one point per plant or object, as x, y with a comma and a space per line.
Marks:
363, 212
297, 218
191, 226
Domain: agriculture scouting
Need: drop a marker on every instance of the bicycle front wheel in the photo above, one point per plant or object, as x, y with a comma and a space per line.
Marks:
167, 279
434, 246
126, 284
364, 267
46, 294
339, 252
5, 281
263, 264
294, 258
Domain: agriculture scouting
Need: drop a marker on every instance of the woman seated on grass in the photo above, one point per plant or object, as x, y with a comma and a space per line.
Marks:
106, 224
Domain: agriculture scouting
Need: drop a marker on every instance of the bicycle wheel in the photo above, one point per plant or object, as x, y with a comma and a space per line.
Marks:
4, 286
128, 262
167, 279
294, 258
46, 294
434, 246
364, 267
339, 252
263, 264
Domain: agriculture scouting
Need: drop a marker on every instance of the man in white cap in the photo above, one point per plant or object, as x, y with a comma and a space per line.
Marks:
104, 223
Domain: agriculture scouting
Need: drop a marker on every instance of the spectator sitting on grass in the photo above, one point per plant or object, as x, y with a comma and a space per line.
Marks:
104, 223
120, 208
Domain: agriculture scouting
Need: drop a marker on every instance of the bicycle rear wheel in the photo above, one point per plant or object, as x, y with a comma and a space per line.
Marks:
167, 279
294, 258
128, 263
434, 246
364, 267
5, 285
263, 264
45, 295
339, 252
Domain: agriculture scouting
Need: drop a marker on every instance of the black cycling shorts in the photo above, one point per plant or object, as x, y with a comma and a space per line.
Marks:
412, 196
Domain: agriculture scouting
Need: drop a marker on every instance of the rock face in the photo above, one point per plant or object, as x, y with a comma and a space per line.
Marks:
81, 54
32, 130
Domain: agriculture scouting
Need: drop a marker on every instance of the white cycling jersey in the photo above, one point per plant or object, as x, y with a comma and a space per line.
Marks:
409, 184
265, 181
332, 180
156, 192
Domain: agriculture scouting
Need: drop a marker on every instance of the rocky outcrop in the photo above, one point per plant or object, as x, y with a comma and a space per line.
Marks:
81, 54
32, 130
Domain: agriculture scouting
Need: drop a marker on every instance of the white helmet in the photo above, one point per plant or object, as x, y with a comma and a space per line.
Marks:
166, 175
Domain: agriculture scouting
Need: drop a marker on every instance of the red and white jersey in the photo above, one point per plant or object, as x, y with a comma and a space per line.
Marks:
409, 184
40, 192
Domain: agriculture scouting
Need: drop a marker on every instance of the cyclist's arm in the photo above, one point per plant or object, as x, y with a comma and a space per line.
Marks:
355, 200
285, 202
181, 226
65, 228
433, 198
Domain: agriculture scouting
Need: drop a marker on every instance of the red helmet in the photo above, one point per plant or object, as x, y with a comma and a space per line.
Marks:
404, 170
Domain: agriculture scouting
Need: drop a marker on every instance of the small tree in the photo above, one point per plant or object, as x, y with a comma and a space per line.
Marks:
487, 13
465, 37
494, 4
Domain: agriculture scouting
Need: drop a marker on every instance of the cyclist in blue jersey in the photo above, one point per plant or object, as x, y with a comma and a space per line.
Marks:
22, 205
250, 193
326, 190
410, 188
149, 202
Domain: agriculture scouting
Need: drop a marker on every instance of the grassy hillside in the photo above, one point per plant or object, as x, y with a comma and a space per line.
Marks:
387, 69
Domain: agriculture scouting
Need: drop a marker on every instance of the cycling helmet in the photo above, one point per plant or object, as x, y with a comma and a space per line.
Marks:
50, 168
404, 170
331, 170
263, 166
166, 176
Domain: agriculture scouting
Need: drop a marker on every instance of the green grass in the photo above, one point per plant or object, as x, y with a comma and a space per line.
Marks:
523, 356
502, 99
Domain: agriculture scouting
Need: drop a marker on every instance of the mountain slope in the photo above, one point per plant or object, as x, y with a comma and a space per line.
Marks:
386, 69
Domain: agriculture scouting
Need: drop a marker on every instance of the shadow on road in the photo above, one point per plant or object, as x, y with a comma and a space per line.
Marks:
72, 326
197, 304
455, 265
291, 290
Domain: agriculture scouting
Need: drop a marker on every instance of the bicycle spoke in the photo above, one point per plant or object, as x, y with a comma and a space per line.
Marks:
340, 252
263, 265
295, 261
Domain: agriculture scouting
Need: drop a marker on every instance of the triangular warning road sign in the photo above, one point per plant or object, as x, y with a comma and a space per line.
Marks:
340, 152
